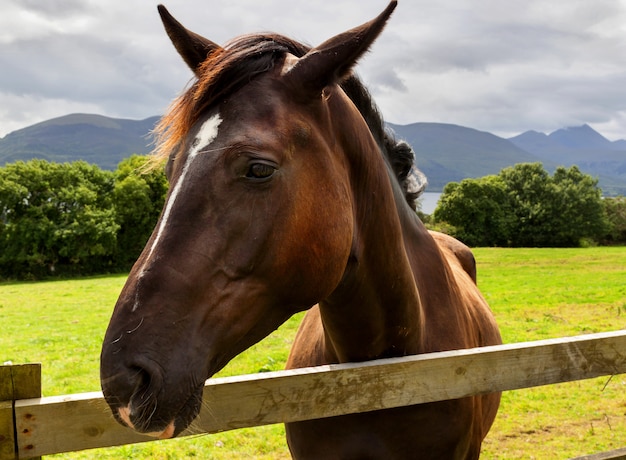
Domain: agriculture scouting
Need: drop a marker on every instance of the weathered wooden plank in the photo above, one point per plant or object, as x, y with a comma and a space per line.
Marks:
20, 381
6, 383
17, 381
70, 423
334, 390
26, 380
7, 438
76, 422
619, 454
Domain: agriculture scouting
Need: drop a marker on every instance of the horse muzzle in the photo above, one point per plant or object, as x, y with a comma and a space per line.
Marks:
141, 399
125, 414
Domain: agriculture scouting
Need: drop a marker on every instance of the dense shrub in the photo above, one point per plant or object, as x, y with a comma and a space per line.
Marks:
615, 209
139, 196
479, 211
55, 218
75, 218
524, 206
60, 219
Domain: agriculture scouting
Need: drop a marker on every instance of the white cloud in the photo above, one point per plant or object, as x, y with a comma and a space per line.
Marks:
19, 110
503, 67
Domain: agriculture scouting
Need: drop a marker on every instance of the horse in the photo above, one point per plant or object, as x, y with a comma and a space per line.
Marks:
287, 194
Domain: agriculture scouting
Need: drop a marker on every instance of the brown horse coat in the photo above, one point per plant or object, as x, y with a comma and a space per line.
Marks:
285, 193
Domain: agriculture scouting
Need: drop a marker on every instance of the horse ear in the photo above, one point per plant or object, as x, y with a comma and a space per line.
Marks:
332, 61
193, 48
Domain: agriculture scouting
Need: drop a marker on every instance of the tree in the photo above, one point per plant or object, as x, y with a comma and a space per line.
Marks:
139, 197
578, 210
615, 210
55, 218
524, 206
479, 209
530, 192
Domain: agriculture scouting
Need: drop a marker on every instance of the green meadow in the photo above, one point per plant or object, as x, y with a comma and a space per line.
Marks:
535, 294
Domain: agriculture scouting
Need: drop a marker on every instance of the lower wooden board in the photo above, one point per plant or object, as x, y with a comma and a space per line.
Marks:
16, 382
619, 454
7, 438
76, 422
68, 423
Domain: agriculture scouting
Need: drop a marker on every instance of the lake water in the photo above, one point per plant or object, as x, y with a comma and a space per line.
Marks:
428, 202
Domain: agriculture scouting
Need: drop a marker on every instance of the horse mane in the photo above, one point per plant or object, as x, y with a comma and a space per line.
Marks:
399, 153
230, 68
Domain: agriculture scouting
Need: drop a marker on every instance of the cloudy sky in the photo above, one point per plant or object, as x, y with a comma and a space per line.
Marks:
494, 65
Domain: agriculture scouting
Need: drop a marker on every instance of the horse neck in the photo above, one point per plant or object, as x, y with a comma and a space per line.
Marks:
375, 312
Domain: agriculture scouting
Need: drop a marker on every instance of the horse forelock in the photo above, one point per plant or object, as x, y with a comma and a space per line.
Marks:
236, 64
223, 73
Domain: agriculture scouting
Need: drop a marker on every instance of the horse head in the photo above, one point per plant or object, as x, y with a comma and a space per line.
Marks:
258, 220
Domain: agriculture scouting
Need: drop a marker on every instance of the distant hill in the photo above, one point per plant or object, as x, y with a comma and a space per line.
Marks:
450, 153
445, 152
94, 138
582, 146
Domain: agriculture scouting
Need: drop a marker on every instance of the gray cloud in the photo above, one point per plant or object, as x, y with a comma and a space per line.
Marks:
503, 67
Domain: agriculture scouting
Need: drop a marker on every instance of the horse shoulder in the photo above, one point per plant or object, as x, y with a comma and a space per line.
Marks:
460, 253
308, 347
462, 260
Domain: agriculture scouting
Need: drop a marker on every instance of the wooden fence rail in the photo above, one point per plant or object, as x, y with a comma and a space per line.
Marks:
40, 426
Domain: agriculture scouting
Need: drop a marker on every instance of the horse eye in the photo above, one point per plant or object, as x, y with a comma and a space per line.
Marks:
260, 171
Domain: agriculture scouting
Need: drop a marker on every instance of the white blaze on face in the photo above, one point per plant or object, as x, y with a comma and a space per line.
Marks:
206, 135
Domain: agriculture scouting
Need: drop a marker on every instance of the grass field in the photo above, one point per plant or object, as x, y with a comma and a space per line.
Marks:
535, 294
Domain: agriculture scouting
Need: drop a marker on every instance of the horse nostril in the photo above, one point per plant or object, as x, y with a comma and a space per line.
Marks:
142, 379
142, 404
132, 394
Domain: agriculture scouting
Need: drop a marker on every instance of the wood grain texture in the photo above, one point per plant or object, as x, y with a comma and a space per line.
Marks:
75, 422
7, 438
619, 454
16, 382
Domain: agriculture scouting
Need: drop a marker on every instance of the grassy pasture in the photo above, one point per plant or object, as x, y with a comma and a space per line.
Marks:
535, 293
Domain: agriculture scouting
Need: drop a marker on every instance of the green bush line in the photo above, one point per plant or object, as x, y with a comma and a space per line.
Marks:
75, 218
523, 206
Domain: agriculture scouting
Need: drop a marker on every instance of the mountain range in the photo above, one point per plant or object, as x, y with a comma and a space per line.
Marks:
445, 152
94, 138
